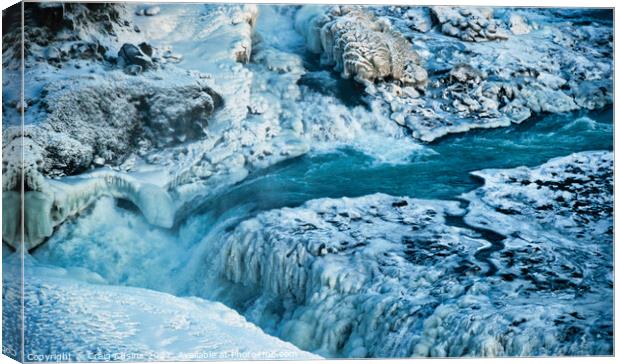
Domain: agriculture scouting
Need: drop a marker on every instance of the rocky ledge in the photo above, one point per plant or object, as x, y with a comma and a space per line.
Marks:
194, 106
484, 67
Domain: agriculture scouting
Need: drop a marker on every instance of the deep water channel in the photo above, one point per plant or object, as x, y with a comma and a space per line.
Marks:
123, 249
441, 170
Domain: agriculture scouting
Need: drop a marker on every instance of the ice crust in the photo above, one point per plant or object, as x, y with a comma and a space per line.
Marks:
70, 311
558, 219
566, 198
373, 276
523, 269
230, 89
369, 277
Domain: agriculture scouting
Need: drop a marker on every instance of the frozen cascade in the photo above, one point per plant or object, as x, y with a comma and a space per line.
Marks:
57, 200
257, 190
361, 278
174, 261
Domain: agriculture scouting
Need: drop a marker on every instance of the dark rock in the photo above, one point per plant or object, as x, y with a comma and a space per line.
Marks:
399, 203
132, 55
133, 69
87, 50
146, 49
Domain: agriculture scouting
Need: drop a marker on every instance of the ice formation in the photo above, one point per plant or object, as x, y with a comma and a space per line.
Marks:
54, 201
545, 66
361, 278
49, 202
171, 106
559, 219
469, 23
68, 311
568, 198
359, 45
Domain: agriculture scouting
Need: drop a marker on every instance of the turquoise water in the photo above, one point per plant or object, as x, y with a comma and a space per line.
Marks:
124, 249
440, 171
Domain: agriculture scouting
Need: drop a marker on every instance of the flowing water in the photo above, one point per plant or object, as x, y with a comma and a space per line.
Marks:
439, 171
121, 247
114, 241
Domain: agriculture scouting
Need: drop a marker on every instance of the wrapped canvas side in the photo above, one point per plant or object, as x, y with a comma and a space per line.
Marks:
12, 183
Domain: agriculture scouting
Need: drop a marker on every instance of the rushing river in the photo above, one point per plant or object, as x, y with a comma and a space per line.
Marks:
115, 241
441, 170
403, 270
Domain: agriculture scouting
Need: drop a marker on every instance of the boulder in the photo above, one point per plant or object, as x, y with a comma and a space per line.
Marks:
52, 54
134, 55
152, 10
518, 24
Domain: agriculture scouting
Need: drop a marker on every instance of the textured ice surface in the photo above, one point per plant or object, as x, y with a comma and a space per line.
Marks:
70, 312
374, 276
559, 222
469, 23
381, 276
220, 199
567, 198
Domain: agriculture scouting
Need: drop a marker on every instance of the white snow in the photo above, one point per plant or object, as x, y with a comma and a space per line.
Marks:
70, 312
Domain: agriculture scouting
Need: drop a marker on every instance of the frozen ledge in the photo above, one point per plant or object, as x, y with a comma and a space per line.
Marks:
59, 200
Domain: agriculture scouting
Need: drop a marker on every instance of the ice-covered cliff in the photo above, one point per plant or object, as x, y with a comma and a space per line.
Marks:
208, 94
391, 277
157, 139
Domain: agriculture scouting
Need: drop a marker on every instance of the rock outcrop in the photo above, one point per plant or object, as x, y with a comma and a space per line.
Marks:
469, 23
478, 81
360, 45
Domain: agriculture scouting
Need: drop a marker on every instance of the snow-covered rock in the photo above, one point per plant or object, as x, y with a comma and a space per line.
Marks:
509, 89
469, 23
359, 45
418, 18
518, 77
379, 276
